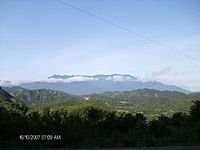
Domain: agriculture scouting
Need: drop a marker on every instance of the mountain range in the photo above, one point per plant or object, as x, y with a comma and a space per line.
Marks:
85, 84
148, 101
39, 97
145, 114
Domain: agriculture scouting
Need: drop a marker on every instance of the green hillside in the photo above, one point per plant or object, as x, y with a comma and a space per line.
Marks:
75, 106
40, 97
10, 103
150, 102
92, 124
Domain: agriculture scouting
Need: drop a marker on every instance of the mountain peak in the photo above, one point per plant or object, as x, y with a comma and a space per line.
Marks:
88, 84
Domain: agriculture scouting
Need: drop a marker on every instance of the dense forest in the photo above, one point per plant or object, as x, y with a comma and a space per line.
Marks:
91, 124
152, 103
40, 97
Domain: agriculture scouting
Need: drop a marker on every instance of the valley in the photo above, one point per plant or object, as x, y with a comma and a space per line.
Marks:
140, 118
152, 103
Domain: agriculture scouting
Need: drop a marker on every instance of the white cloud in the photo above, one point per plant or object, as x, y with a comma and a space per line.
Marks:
173, 77
79, 79
51, 80
161, 72
119, 78
109, 78
155, 75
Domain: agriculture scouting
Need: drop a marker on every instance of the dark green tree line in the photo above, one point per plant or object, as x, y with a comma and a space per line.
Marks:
94, 127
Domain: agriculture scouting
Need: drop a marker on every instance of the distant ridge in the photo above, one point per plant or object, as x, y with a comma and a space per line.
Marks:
89, 84
39, 97
148, 101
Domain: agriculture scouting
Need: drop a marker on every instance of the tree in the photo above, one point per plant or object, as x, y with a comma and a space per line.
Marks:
195, 111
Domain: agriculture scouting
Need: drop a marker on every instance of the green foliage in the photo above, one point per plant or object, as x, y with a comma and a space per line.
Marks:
79, 106
41, 97
10, 103
152, 103
91, 123
4, 95
94, 127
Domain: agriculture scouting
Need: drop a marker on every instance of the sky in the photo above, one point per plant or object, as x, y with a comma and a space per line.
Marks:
39, 38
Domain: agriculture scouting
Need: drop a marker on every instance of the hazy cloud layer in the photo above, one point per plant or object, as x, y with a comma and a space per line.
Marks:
159, 73
119, 78
69, 80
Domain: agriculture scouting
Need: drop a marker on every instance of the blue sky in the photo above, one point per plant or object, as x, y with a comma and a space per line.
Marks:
41, 38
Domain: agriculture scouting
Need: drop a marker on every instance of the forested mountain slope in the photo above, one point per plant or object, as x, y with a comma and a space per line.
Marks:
150, 102
92, 126
40, 97
10, 103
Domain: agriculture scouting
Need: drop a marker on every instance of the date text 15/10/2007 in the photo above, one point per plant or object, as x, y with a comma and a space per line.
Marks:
40, 137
